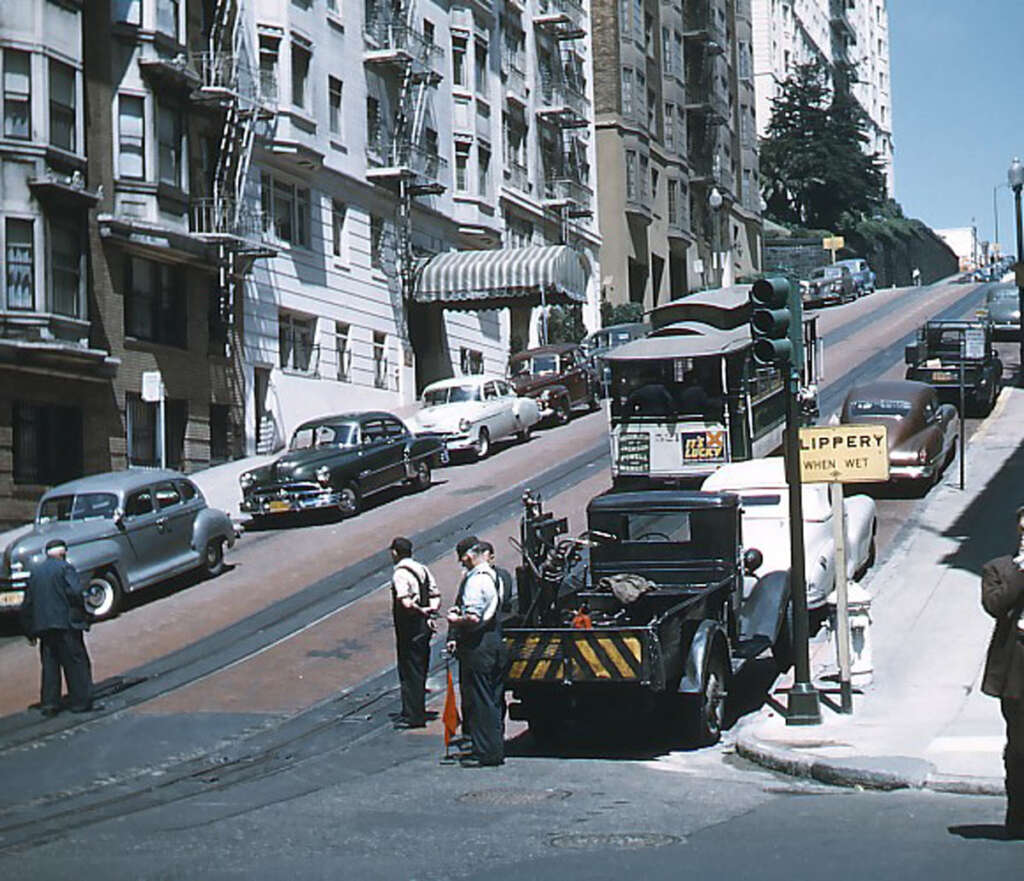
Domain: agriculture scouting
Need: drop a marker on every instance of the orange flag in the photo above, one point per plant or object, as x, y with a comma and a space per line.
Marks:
451, 712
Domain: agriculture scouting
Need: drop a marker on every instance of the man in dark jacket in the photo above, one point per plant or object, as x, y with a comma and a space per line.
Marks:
54, 613
1002, 595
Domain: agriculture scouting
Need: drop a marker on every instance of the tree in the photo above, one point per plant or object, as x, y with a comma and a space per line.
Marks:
565, 324
813, 164
620, 313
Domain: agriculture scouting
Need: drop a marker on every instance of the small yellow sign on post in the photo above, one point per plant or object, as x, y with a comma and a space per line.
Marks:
833, 243
844, 454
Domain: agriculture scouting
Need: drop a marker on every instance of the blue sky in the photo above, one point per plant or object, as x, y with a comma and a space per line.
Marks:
958, 108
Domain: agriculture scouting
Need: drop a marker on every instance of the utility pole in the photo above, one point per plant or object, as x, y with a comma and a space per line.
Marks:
1015, 178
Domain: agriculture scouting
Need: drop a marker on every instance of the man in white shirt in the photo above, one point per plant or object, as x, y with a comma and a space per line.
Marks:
476, 626
415, 601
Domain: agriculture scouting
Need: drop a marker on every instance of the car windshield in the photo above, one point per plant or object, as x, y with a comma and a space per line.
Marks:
84, 506
539, 364
452, 394
881, 407
308, 436
826, 272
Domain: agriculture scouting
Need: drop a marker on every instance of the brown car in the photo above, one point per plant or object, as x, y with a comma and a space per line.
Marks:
561, 377
921, 432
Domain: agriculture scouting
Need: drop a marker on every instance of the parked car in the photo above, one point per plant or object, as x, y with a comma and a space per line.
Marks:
863, 276
125, 530
764, 501
936, 358
337, 461
472, 412
921, 432
1003, 307
560, 377
601, 342
828, 284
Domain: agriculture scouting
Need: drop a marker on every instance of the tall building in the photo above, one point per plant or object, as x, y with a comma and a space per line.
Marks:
788, 33
679, 200
417, 148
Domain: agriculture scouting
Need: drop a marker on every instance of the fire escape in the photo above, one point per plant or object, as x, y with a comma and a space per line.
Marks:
563, 105
402, 152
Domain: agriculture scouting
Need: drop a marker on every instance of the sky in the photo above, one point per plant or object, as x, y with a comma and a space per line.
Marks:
958, 109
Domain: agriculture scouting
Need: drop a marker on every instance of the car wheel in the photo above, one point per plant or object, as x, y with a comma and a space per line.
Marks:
708, 719
525, 434
103, 595
349, 500
421, 479
563, 413
483, 444
213, 558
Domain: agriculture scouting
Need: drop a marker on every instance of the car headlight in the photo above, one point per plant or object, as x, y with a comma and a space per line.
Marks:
247, 479
323, 475
464, 425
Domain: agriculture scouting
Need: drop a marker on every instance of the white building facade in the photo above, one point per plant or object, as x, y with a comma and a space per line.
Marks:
401, 131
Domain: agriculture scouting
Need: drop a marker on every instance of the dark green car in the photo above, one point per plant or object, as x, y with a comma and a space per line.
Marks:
335, 462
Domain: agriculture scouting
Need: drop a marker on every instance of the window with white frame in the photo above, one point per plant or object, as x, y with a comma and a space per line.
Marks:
483, 169
301, 58
338, 212
471, 361
669, 124
627, 91
168, 18
66, 256
631, 172
335, 117
673, 201
131, 137
480, 67
286, 211
295, 341
461, 168
459, 62
343, 353
62, 106
19, 274
126, 11
376, 241
171, 145
17, 94
380, 359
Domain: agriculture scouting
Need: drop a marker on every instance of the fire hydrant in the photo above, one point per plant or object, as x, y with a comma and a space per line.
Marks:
859, 605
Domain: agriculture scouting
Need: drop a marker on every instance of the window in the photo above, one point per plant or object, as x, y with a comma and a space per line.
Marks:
155, 303
334, 92
644, 176
62, 105
168, 16
459, 62
131, 138
380, 359
342, 352
295, 341
638, 22
673, 201
631, 188
268, 68
170, 137
139, 503
376, 241
338, 212
47, 443
669, 120
286, 211
127, 11
19, 264
666, 51
649, 34
461, 166
483, 168
301, 57
66, 255
627, 91
480, 65
167, 495
17, 94
428, 32
652, 110
143, 431
471, 361
188, 489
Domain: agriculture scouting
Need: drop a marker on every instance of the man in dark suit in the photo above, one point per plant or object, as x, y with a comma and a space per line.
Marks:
1002, 595
54, 613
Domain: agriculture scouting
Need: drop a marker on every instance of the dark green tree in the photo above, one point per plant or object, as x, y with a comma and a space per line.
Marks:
620, 313
814, 169
565, 324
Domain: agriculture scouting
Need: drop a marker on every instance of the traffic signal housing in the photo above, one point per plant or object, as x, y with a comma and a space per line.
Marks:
776, 322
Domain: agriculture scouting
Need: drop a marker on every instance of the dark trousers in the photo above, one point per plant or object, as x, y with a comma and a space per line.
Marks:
1013, 759
412, 640
64, 650
480, 681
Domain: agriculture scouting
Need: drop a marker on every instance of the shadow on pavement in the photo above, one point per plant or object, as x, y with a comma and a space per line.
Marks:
986, 831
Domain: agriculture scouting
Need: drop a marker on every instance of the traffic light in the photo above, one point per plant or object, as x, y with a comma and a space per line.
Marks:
776, 322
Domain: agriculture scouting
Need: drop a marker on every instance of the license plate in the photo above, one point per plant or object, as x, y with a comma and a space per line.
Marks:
279, 507
11, 599
942, 376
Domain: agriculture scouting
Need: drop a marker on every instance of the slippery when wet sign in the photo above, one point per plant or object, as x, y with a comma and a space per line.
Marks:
844, 454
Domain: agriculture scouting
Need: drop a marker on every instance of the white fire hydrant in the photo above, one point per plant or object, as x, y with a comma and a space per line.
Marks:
859, 605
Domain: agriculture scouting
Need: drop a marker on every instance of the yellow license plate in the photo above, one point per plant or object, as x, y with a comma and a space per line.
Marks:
11, 599
279, 507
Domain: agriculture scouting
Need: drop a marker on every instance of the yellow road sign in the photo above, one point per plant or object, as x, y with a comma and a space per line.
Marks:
844, 454
833, 243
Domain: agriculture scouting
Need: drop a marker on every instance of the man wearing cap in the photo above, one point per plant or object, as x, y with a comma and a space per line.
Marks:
54, 613
462, 555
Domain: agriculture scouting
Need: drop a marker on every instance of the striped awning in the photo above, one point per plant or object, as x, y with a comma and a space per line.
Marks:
534, 276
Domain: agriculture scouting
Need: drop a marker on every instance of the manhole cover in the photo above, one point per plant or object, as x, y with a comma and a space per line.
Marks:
619, 840
513, 797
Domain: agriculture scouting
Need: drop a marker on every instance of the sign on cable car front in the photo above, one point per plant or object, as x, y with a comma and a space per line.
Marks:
844, 454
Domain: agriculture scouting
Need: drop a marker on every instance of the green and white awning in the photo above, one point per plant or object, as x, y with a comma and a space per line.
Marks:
534, 276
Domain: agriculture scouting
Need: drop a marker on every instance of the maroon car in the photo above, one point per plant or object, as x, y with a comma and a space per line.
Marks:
561, 377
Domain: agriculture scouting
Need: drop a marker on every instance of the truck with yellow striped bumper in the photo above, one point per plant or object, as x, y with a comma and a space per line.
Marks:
648, 614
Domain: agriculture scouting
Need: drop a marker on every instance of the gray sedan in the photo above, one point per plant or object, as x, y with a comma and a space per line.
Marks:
1003, 305
125, 530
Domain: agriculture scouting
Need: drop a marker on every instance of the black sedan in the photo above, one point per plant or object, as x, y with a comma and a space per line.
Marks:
1003, 307
335, 462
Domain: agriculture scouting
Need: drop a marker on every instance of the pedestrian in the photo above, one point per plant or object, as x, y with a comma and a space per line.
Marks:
415, 601
476, 626
462, 555
54, 613
506, 583
1002, 595
916, 276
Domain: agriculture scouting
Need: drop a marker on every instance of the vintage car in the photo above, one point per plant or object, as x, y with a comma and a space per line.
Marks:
337, 461
764, 501
560, 377
1002, 305
125, 530
828, 284
472, 412
943, 347
601, 342
863, 276
921, 432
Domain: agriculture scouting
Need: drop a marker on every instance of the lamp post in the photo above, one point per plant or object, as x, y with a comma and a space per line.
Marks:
1015, 178
715, 202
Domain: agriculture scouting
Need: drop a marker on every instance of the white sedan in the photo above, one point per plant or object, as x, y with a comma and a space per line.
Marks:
474, 411
764, 496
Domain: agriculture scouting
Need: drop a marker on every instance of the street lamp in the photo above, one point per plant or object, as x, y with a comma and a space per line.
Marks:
1015, 178
715, 202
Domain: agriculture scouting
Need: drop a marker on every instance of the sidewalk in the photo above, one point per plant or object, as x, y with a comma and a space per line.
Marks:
923, 722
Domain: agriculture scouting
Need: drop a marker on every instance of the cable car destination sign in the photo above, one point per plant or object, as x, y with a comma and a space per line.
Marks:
844, 454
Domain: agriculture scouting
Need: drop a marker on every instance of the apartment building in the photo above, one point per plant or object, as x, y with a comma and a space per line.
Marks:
679, 201
422, 161
788, 33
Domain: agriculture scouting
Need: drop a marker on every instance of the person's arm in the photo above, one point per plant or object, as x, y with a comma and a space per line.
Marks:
473, 605
999, 596
72, 585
